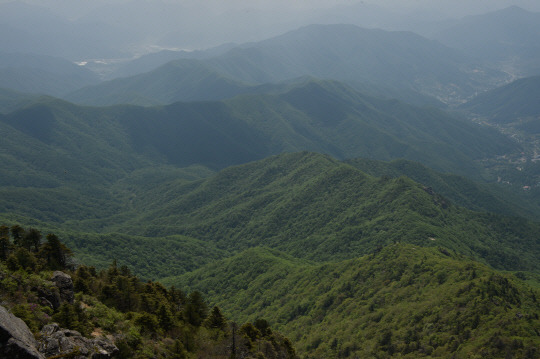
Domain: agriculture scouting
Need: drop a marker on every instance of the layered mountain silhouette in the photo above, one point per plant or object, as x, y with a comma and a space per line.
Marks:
394, 60
39, 74
510, 35
321, 116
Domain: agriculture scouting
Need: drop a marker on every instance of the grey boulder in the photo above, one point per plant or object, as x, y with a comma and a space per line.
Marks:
16, 340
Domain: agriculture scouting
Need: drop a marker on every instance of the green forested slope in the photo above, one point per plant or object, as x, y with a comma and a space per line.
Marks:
517, 100
458, 189
142, 319
123, 169
182, 80
404, 301
307, 205
10, 100
220, 134
312, 206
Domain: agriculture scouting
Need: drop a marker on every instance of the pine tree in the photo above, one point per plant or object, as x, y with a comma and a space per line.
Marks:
32, 240
195, 310
17, 233
4, 247
165, 318
55, 253
5, 243
216, 320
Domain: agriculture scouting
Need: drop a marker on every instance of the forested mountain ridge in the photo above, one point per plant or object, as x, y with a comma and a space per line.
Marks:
94, 163
312, 206
397, 60
403, 301
306, 204
45, 75
80, 312
238, 130
185, 80
516, 100
252, 177
459, 190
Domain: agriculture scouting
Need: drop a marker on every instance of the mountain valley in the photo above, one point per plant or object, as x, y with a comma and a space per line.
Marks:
364, 191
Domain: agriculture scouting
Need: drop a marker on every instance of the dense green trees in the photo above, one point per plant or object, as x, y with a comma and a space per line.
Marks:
5, 244
22, 248
216, 320
401, 301
55, 252
146, 318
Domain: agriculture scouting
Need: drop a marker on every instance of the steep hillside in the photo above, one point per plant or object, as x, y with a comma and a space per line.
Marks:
517, 100
308, 205
404, 301
458, 189
54, 141
183, 80
311, 206
350, 53
11, 100
251, 127
80, 312
394, 61
42, 74
362, 124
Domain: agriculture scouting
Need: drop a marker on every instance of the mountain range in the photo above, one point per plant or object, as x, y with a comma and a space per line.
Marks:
394, 60
368, 193
508, 36
322, 116
404, 301
39, 74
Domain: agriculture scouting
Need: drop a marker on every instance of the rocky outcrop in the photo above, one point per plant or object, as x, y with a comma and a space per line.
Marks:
57, 341
65, 285
50, 298
16, 340
62, 291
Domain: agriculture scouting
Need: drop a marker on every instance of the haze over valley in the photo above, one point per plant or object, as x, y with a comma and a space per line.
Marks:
310, 179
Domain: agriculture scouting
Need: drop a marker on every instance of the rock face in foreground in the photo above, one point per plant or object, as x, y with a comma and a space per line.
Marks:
16, 340
57, 341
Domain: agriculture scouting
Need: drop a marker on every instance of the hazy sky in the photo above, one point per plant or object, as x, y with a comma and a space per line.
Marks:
146, 25
450, 7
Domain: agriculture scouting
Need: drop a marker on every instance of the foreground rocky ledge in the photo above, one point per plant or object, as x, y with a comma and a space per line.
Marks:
16, 339
56, 341
17, 342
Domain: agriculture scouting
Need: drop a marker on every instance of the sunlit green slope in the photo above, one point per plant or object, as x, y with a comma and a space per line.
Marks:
75, 162
458, 189
404, 301
312, 206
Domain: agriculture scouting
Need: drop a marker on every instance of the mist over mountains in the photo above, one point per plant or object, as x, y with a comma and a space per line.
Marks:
362, 177
395, 60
